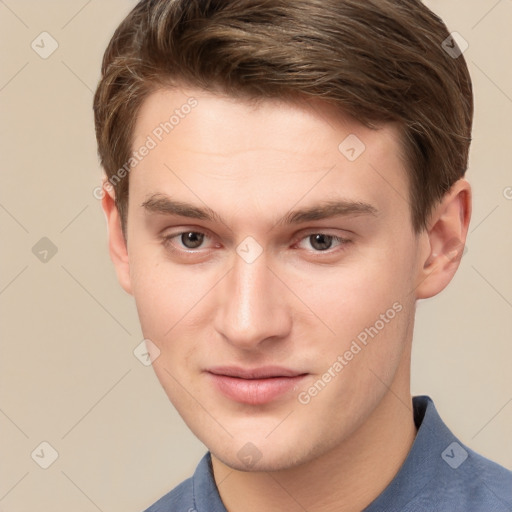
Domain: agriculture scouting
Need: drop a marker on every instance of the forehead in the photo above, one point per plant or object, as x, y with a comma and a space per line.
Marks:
235, 153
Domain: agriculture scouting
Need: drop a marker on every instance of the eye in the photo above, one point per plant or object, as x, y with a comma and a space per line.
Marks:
192, 239
322, 242
187, 239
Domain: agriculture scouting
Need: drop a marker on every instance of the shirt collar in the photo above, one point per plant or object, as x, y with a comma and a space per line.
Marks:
422, 462
416, 472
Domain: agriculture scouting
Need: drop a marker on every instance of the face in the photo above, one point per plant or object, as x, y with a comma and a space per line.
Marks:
272, 258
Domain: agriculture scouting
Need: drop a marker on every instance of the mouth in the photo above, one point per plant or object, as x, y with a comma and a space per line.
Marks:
255, 386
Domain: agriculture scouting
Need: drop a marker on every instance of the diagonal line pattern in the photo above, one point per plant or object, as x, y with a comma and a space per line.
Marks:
165, 165
95, 299
409, 406
13, 279
492, 286
88, 497
14, 218
485, 218
492, 418
492, 81
76, 14
77, 76
389, 183
13, 13
198, 301
486, 14
13, 76
422, 281
305, 194
14, 423
15, 485
286, 491
499, 498
197, 401
220, 482
301, 300
438, 263
300, 199
279, 424
97, 402
319, 113
74, 218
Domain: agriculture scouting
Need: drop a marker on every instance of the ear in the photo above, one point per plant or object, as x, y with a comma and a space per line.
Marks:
447, 231
116, 241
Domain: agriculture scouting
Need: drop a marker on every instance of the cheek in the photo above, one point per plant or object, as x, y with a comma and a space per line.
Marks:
171, 304
369, 306
151, 297
160, 294
354, 296
356, 370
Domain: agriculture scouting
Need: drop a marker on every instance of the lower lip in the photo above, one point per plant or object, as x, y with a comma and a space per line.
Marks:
255, 391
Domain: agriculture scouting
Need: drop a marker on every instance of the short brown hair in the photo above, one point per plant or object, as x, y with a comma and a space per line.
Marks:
376, 60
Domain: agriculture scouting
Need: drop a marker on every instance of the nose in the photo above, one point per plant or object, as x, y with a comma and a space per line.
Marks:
252, 307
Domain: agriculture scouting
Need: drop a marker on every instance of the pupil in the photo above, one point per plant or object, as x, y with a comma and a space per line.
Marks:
192, 240
321, 242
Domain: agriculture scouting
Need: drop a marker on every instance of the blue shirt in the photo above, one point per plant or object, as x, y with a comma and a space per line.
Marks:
440, 474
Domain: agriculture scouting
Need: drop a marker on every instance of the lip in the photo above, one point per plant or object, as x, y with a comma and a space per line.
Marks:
254, 386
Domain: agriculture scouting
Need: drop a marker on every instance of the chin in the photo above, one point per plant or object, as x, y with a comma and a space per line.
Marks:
269, 455
277, 462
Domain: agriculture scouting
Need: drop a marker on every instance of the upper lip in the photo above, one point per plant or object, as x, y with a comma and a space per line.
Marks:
263, 372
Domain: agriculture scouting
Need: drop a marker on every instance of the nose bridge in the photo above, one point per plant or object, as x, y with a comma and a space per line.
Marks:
250, 312
251, 285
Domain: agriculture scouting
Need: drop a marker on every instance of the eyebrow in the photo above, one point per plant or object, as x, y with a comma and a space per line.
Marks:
163, 204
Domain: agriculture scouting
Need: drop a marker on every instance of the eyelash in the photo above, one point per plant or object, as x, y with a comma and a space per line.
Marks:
342, 242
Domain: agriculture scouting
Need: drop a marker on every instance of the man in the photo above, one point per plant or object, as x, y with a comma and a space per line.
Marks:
284, 180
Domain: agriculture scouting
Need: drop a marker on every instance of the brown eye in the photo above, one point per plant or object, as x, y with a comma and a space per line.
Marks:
318, 243
321, 242
192, 239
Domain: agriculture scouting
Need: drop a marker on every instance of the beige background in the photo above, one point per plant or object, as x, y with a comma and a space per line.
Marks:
68, 373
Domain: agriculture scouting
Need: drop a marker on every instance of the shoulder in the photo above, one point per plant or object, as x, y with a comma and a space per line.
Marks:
442, 474
180, 498
461, 479
196, 493
477, 485
484, 484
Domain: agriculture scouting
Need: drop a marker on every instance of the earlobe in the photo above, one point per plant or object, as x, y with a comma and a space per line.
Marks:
116, 240
446, 234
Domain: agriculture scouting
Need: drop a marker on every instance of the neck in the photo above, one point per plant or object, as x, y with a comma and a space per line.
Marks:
346, 479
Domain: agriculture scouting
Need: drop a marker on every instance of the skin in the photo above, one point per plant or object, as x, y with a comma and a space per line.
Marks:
295, 306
